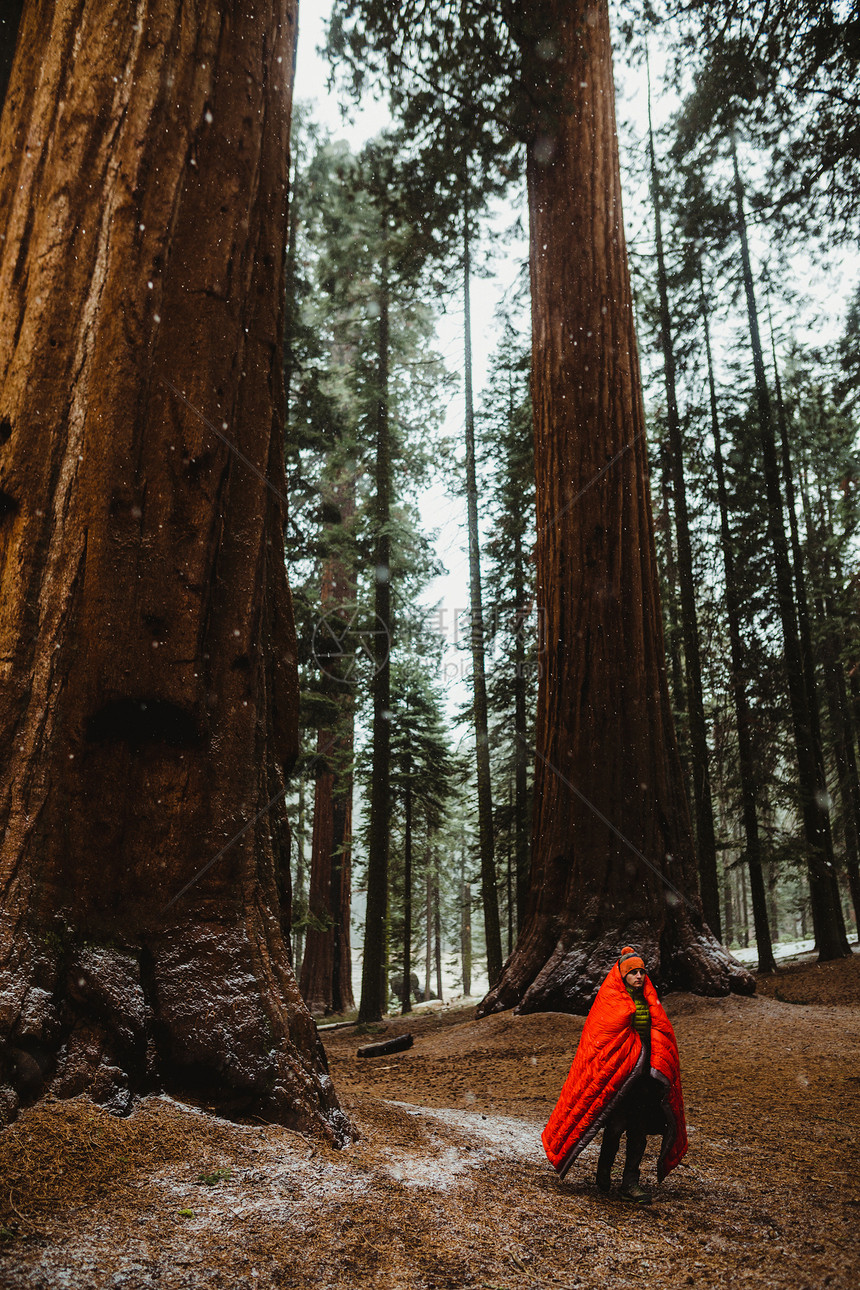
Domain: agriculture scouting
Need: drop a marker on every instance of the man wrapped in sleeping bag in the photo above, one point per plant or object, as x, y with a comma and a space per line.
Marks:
625, 1077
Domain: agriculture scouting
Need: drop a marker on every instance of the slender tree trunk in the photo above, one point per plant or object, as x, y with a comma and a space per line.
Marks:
702, 804
342, 997
326, 975
465, 926
803, 620
316, 971
290, 294
612, 854
801, 601
746, 756
489, 894
437, 927
150, 710
428, 957
373, 986
406, 994
826, 910
670, 602
729, 921
837, 702
521, 810
772, 904
298, 935
509, 886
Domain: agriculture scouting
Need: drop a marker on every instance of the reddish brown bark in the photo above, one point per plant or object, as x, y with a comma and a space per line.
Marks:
149, 704
612, 852
326, 976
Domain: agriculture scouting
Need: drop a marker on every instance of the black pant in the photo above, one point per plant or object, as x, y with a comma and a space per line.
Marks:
636, 1114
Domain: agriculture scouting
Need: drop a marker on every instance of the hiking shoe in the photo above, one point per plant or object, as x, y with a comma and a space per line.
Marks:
633, 1192
604, 1178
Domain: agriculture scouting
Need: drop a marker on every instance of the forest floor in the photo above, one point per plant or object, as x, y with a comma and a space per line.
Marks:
448, 1186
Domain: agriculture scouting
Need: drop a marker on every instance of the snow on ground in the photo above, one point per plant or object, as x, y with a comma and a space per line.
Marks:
784, 950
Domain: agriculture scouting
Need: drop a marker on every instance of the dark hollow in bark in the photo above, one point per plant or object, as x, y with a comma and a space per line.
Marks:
612, 854
149, 710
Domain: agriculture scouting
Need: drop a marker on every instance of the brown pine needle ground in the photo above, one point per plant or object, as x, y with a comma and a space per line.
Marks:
448, 1186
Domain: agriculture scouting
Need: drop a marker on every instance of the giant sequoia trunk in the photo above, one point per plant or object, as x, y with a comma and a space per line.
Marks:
612, 853
149, 705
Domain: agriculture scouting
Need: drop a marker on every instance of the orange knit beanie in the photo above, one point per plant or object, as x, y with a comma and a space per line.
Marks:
629, 961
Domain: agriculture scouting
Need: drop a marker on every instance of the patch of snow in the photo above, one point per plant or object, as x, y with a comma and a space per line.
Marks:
494, 1135
783, 950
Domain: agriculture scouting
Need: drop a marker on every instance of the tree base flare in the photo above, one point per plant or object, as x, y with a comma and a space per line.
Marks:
568, 980
191, 1014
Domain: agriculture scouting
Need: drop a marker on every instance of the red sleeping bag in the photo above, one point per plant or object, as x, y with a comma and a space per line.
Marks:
610, 1057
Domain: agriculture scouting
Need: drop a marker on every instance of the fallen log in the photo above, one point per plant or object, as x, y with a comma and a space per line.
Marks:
387, 1046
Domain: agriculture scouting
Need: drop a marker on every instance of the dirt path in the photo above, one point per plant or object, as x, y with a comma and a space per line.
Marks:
449, 1187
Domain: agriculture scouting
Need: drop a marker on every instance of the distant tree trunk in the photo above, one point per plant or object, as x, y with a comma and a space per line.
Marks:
373, 984
801, 600
465, 926
150, 710
827, 918
406, 993
316, 970
729, 921
744, 906
437, 927
834, 679
670, 604
837, 702
706, 845
772, 905
428, 957
521, 838
509, 886
326, 975
489, 893
300, 895
290, 293
746, 756
612, 854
